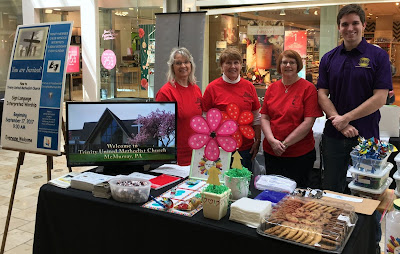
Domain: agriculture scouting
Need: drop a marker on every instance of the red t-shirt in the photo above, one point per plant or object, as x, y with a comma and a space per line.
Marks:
288, 110
219, 94
189, 105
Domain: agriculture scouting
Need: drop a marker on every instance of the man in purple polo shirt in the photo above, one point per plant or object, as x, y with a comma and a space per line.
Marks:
354, 80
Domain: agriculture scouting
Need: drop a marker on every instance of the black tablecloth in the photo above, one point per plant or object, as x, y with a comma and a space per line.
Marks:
72, 221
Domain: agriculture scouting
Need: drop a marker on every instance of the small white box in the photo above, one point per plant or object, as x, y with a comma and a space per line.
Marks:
389, 123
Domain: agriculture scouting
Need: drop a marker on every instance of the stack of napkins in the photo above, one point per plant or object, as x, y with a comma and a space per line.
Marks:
102, 190
250, 211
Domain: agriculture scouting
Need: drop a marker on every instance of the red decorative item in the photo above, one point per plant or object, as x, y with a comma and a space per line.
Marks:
244, 119
144, 83
141, 32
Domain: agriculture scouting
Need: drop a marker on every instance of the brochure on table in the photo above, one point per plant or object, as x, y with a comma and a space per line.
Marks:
179, 194
32, 112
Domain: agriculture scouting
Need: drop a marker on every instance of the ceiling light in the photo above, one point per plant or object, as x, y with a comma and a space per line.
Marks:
307, 11
121, 13
282, 12
48, 11
315, 12
397, 3
57, 9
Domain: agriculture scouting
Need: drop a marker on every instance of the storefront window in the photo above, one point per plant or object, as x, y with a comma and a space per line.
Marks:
128, 33
312, 31
262, 36
10, 18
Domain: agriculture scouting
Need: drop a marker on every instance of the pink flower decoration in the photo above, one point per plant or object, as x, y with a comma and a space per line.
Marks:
141, 32
144, 83
212, 134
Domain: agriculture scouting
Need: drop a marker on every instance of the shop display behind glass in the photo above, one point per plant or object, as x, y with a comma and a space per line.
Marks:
121, 134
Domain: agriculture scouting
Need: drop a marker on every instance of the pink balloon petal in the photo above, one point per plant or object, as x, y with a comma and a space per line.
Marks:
227, 128
228, 144
212, 150
197, 141
199, 124
214, 118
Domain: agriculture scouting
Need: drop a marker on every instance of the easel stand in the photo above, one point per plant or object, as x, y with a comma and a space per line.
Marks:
21, 157
20, 162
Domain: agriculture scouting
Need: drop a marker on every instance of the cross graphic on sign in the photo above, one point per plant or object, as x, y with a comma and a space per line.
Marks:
31, 40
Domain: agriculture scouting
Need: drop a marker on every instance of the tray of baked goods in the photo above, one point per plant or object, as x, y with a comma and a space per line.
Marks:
312, 223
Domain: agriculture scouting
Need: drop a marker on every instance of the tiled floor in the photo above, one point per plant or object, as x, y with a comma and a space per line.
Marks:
33, 174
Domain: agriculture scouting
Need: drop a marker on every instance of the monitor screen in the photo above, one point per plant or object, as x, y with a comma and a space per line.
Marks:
120, 133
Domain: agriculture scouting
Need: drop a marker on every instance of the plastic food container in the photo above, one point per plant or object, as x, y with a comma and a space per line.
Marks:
130, 189
397, 160
367, 164
369, 180
369, 193
397, 193
396, 177
312, 223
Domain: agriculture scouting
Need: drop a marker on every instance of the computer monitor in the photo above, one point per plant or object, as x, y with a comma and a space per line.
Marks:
121, 134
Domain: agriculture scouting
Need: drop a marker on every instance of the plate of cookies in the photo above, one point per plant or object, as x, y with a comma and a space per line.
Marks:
312, 223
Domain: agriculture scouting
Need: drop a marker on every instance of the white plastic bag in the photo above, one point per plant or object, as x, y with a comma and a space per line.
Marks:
274, 183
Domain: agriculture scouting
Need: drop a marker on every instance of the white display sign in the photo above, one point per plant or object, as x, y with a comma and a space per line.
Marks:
265, 30
34, 94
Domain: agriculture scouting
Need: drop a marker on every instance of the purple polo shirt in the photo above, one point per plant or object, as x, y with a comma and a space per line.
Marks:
351, 77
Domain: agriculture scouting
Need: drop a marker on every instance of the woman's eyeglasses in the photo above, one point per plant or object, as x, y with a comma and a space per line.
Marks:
290, 63
180, 63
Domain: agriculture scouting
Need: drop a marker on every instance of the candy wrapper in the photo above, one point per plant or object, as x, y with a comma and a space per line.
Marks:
189, 206
373, 148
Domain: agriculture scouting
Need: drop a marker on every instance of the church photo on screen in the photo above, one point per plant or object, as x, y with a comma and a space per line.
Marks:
103, 131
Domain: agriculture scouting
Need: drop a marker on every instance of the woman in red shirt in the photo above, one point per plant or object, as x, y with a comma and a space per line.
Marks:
232, 88
181, 87
287, 117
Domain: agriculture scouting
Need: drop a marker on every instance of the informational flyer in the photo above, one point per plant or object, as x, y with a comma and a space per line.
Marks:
32, 111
